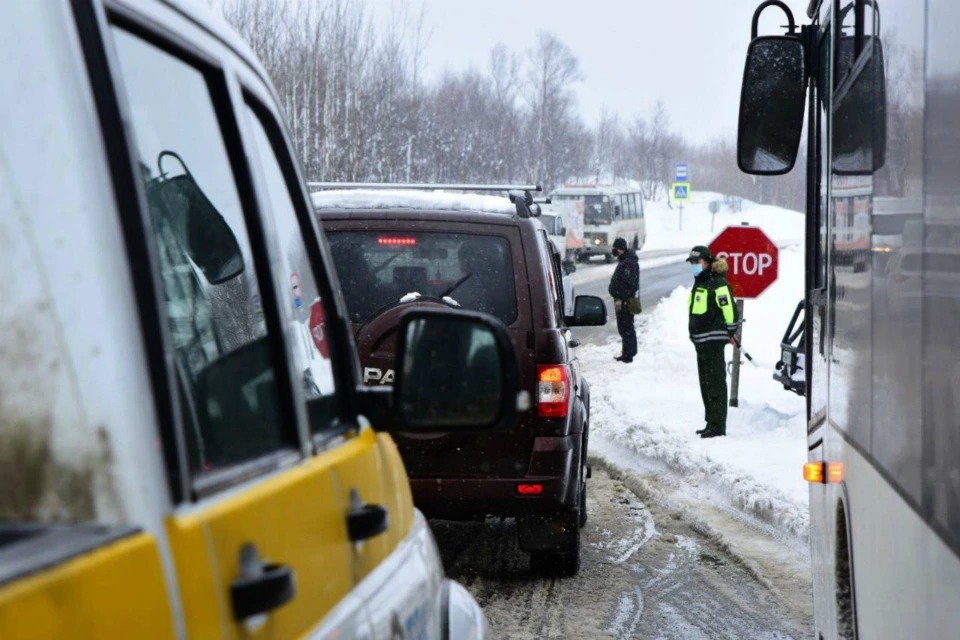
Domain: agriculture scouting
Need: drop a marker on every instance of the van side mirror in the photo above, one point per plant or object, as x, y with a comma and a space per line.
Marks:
771, 106
588, 311
562, 232
456, 370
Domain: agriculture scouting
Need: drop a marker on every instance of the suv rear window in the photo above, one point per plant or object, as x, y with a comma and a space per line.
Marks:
377, 269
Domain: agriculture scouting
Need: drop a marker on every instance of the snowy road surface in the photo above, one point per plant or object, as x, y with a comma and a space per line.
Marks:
656, 282
647, 572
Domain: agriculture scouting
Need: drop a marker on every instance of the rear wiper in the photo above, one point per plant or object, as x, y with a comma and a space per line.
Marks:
455, 285
386, 262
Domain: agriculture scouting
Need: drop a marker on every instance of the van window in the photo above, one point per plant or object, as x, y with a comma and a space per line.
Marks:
224, 361
300, 302
378, 269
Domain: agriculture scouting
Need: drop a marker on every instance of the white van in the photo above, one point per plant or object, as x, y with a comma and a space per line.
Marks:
165, 471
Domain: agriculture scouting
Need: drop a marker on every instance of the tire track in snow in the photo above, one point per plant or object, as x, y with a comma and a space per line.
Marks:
646, 573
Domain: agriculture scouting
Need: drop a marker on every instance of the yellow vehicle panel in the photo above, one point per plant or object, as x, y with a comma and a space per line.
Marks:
115, 591
294, 518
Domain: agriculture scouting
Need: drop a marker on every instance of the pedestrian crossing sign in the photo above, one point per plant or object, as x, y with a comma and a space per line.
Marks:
681, 191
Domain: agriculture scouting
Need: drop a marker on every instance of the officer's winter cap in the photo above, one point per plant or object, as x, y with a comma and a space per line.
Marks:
700, 252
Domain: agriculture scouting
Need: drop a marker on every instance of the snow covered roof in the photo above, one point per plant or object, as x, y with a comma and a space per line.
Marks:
360, 199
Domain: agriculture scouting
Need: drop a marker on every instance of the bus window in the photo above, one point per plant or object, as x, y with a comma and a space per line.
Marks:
597, 210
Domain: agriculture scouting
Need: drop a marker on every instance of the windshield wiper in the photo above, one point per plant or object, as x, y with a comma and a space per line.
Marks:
455, 285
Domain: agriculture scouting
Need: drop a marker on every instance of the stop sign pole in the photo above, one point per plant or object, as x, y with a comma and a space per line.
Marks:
754, 262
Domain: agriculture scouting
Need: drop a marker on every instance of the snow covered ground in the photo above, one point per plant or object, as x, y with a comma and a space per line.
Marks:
651, 408
663, 222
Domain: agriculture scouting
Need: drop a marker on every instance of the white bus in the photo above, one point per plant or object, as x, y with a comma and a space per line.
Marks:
882, 299
608, 212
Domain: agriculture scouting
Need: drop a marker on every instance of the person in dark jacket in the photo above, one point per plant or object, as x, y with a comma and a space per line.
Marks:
713, 323
625, 291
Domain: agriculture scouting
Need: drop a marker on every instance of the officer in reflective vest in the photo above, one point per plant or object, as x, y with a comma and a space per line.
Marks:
713, 322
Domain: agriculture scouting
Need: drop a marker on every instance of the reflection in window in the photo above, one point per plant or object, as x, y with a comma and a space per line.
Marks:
300, 303
222, 355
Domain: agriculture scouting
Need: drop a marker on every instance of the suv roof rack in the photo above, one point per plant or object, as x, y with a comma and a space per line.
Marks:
424, 185
519, 194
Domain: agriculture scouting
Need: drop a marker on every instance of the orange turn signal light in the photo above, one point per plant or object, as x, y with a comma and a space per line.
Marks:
813, 472
823, 472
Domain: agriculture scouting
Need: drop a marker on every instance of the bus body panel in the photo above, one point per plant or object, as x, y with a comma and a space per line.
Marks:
883, 302
899, 595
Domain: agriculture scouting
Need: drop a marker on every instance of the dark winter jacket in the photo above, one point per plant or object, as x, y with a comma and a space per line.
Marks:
713, 314
625, 282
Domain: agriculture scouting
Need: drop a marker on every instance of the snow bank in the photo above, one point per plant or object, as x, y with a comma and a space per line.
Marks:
652, 407
663, 223
400, 199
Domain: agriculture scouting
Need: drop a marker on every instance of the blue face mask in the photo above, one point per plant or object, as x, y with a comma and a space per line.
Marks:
696, 268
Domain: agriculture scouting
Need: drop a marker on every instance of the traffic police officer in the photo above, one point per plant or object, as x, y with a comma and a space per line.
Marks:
713, 323
625, 290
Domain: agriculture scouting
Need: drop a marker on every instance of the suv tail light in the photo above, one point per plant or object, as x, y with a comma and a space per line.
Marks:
553, 391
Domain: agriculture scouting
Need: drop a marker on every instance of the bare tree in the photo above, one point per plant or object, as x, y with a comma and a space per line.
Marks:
359, 107
553, 69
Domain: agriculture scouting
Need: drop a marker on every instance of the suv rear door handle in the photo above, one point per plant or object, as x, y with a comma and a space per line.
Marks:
365, 521
261, 587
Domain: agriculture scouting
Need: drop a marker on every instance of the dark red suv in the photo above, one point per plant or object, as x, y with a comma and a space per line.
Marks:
394, 250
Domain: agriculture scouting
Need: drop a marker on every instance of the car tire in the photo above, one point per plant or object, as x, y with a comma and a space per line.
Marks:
561, 563
608, 258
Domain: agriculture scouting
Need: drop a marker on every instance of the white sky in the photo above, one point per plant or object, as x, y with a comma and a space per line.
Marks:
689, 53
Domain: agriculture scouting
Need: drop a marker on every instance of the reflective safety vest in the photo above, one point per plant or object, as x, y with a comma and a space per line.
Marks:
713, 312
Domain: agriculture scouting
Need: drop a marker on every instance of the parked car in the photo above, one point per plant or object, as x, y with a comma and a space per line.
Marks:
396, 250
166, 470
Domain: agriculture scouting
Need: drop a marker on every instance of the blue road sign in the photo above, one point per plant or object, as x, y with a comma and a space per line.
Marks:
682, 173
681, 191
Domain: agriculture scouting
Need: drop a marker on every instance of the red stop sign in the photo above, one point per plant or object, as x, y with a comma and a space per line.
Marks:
753, 258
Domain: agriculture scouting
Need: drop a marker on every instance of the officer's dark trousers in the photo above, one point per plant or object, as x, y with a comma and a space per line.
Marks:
628, 333
713, 384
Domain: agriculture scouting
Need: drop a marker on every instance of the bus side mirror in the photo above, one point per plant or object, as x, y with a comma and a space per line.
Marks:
616, 210
860, 119
771, 106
